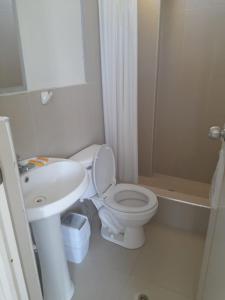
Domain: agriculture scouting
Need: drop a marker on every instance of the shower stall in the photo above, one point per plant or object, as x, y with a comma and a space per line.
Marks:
181, 92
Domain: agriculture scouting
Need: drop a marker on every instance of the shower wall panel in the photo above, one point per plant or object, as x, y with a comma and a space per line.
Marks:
190, 88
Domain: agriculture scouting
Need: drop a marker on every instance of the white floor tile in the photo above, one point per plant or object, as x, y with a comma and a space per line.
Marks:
166, 268
153, 292
98, 284
171, 259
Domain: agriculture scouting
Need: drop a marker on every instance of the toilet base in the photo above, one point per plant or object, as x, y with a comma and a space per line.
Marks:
132, 238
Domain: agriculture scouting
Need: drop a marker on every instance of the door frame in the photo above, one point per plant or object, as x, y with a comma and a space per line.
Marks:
19, 222
218, 197
13, 286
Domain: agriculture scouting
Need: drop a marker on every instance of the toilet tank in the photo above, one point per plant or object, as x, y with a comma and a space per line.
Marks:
86, 158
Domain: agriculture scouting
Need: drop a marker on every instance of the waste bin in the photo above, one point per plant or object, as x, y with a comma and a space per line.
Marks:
76, 235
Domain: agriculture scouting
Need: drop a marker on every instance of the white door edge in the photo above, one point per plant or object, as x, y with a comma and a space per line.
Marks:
17, 211
211, 242
12, 282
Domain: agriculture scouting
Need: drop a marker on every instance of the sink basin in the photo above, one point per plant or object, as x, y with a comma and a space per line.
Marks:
48, 191
53, 188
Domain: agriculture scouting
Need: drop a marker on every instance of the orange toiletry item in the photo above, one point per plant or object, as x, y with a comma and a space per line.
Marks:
36, 163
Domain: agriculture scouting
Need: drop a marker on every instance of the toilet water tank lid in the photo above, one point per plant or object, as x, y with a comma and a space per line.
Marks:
104, 169
86, 156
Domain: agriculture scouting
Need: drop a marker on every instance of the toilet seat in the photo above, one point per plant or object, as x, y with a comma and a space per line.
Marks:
127, 198
130, 198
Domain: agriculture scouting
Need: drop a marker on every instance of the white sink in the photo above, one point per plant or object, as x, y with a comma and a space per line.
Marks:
48, 191
53, 188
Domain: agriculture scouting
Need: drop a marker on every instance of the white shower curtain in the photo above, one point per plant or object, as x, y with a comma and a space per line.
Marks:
118, 35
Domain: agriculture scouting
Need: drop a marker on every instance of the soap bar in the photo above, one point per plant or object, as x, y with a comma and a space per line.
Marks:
39, 161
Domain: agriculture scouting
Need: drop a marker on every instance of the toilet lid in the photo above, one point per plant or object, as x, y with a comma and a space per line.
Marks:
104, 169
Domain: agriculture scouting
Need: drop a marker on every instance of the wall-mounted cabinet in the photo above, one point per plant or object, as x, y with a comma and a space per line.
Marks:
41, 44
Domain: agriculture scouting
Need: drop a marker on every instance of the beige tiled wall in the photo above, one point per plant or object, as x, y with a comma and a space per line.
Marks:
73, 119
190, 88
148, 32
10, 71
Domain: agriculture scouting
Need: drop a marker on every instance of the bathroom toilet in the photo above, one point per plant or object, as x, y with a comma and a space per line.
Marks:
123, 208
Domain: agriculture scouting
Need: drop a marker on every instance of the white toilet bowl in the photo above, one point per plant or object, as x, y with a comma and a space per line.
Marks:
123, 208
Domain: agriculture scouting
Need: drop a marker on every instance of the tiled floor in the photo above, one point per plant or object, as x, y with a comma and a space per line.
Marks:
166, 268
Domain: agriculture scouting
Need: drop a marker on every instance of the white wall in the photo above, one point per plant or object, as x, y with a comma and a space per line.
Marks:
52, 42
148, 35
73, 119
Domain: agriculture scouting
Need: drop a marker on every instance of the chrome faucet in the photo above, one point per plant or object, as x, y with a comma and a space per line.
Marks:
23, 168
